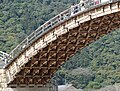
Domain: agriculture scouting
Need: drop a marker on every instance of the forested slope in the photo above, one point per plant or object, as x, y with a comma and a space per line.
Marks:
95, 66
18, 18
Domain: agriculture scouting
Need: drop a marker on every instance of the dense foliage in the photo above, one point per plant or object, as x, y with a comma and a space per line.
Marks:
18, 18
95, 66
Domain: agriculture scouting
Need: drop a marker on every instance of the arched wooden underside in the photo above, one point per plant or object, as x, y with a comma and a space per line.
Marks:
41, 67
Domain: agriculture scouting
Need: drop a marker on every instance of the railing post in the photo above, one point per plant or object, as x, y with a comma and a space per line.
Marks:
6, 61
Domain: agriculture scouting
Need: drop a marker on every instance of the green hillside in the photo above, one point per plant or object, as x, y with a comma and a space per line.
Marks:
96, 66
18, 18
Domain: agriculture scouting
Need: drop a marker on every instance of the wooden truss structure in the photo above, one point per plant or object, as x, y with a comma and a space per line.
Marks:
39, 62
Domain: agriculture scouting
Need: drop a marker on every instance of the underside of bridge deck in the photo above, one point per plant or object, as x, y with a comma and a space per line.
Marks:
42, 66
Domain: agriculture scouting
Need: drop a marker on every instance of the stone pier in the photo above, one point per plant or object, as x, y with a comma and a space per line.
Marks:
4, 87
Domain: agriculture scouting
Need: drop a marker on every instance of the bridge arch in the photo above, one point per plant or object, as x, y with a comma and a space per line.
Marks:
46, 49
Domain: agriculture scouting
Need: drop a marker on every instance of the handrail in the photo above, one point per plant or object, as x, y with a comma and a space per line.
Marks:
63, 16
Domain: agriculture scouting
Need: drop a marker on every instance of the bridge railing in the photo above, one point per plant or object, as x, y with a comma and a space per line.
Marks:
63, 16
40, 31
4, 57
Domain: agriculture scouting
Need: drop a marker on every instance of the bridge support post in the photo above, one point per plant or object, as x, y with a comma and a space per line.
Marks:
4, 87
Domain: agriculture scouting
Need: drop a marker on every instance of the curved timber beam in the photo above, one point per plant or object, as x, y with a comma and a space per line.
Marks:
38, 62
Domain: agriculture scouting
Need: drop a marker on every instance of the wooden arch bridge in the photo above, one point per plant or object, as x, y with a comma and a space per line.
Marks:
35, 60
